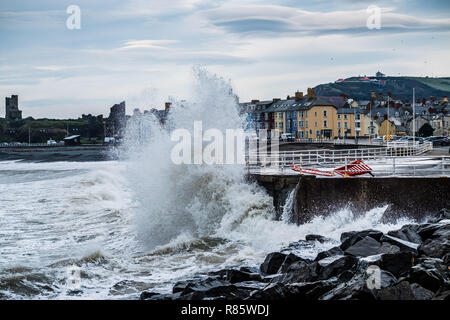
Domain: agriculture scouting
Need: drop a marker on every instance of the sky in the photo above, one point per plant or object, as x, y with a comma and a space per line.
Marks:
144, 51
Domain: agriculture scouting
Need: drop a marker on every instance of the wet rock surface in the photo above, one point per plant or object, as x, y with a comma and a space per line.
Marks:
411, 263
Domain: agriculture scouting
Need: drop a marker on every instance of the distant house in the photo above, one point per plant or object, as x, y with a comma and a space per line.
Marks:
74, 140
380, 75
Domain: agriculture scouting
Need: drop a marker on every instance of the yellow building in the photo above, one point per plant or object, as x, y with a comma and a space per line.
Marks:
389, 128
280, 122
316, 121
350, 122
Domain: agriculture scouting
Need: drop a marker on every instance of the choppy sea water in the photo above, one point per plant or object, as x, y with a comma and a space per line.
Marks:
57, 215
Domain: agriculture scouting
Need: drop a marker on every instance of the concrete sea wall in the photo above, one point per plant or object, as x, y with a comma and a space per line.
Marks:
415, 197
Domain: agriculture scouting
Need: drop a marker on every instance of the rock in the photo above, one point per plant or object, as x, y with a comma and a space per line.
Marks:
272, 263
400, 291
148, 295
375, 234
420, 293
427, 230
209, 286
300, 271
180, 286
445, 295
386, 247
368, 246
402, 244
335, 251
442, 215
435, 248
334, 266
355, 288
288, 261
442, 232
407, 233
316, 237
397, 263
313, 290
234, 276
274, 291
430, 279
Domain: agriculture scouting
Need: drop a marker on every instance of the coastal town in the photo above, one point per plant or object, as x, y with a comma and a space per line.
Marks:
300, 116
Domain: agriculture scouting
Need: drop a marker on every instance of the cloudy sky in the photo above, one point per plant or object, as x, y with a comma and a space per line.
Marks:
143, 51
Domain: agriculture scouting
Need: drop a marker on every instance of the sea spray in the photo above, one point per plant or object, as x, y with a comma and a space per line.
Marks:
186, 198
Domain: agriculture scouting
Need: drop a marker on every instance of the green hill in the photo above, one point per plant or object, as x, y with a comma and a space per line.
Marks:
399, 87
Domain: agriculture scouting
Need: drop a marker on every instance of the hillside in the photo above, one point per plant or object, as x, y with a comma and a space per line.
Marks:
400, 87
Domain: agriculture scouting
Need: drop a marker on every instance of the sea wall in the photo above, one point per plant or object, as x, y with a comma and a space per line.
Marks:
415, 197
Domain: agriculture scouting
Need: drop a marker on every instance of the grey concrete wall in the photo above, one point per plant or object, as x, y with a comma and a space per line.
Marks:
405, 196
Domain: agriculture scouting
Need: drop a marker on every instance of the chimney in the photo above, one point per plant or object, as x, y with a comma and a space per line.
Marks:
167, 105
445, 99
298, 95
276, 100
254, 101
311, 94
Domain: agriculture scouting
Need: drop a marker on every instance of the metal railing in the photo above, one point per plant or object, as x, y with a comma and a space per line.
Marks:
327, 156
412, 166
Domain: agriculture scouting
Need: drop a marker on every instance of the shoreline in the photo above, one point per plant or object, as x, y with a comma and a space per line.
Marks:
412, 263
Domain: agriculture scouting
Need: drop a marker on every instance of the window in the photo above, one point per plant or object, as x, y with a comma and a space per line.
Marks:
280, 115
324, 113
345, 125
339, 116
345, 117
358, 116
358, 125
315, 124
317, 133
301, 114
301, 134
339, 124
306, 124
306, 134
300, 124
310, 132
325, 123
306, 114
315, 113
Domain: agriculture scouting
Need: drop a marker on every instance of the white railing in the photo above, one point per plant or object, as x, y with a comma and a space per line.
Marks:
327, 156
426, 166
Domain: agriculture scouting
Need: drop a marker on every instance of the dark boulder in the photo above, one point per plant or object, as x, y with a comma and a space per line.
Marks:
435, 248
365, 233
335, 251
210, 287
444, 295
316, 237
420, 293
272, 263
148, 295
334, 266
386, 247
397, 263
400, 291
273, 291
300, 271
313, 290
353, 289
367, 246
444, 214
289, 260
402, 244
426, 231
430, 279
408, 233
234, 276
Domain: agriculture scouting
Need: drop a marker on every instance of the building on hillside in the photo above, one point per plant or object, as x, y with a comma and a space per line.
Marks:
12, 111
380, 75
